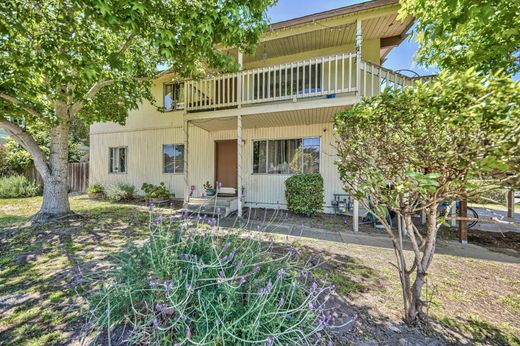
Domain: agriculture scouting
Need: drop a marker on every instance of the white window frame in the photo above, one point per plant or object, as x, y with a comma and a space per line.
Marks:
267, 154
113, 164
180, 95
183, 160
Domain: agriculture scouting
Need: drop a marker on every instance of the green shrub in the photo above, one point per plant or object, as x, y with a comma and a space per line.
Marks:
95, 188
18, 186
156, 191
185, 282
304, 194
120, 192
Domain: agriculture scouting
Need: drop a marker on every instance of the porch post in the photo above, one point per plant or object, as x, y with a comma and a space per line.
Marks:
359, 40
239, 164
511, 203
355, 216
186, 155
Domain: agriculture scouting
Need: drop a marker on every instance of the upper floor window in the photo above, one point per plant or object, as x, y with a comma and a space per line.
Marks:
173, 158
286, 156
118, 159
173, 94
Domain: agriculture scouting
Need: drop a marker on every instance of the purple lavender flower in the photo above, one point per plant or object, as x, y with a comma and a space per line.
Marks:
191, 233
153, 283
239, 265
185, 213
218, 211
256, 269
281, 302
181, 231
212, 222
226, 246
258, 228
241, 281
188, 287
159, 219
293, 284
280, 273
221, 274
150, 206
314, 286
269, 287
270, 341
311, 306
155, 324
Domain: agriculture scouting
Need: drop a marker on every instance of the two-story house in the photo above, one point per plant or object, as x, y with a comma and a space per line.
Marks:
252, 129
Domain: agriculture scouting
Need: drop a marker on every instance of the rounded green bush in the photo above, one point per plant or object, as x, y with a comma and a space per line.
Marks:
120, 192
304, 194
189, 286
18, 186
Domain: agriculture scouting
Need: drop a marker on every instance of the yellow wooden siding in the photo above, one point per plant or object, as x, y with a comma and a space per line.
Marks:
145, 160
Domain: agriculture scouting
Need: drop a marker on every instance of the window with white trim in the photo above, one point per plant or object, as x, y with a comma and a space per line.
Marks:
173, 93
286, 156
173, 158
118, 159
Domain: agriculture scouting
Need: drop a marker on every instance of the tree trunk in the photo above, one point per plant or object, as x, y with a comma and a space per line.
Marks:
55, 183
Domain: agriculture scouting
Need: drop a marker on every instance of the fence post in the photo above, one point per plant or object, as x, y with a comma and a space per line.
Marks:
511, 203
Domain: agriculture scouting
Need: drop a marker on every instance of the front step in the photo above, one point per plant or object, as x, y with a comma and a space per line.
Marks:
210, 206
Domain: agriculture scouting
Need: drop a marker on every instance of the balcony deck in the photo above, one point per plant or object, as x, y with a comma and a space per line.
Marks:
336, 78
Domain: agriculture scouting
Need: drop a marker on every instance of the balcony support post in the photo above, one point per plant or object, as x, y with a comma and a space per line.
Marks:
187, 187
240, 60
359, 41
239, 166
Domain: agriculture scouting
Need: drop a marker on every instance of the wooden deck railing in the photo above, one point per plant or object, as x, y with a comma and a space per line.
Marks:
329, 75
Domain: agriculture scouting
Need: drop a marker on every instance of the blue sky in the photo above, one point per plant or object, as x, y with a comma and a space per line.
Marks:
401, 57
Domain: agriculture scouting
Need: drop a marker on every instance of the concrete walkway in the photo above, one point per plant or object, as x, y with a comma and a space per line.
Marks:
446, 247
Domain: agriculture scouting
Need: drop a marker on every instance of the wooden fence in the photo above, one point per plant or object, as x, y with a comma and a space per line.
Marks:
78, 176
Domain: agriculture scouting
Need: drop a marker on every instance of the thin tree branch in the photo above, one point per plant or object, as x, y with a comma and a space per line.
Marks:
20, 104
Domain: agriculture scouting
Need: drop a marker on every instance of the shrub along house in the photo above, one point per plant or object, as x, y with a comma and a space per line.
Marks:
252, 129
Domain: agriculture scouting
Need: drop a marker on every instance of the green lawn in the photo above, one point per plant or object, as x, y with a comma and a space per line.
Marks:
471, 300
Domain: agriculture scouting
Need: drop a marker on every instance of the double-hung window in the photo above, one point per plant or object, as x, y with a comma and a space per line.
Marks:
286, 156
118, 160
173, 158
173, 94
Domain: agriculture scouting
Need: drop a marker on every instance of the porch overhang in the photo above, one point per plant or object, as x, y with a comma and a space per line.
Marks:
280, 118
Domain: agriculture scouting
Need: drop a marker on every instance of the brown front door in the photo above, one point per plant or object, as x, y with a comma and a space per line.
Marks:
226, 162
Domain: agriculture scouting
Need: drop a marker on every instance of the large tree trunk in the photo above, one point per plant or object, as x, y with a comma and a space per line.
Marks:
55, 183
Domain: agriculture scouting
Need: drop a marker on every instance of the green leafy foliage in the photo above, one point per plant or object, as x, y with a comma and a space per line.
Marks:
95, 189
18, 186
435, 138
457, 35
156, 191
188, 285
304, 194
120, 192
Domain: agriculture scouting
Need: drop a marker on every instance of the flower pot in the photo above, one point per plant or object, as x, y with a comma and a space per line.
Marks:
95, 195
211, 192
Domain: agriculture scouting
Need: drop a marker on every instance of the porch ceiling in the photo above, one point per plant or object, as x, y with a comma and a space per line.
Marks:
323, 36
275, 119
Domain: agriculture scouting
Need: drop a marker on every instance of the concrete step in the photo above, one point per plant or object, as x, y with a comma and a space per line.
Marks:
207, 210
220, 201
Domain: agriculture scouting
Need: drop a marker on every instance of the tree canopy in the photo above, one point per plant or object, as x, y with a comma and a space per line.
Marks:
461, 34
94, 60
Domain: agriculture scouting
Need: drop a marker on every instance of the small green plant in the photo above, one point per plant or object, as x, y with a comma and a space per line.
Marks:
120, 192
207, 186
18, 186
187, 285
156, 191
304, 194
96, 189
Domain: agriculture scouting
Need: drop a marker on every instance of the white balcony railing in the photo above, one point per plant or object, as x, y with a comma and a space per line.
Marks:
314, 77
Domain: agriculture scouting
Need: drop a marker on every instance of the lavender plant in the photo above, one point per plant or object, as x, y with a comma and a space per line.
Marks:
190, 284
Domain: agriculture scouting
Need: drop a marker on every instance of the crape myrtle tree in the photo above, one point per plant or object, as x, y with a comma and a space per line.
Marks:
407, 150
93, 60
462, 34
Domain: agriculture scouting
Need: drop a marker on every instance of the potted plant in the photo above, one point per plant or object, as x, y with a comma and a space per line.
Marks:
96, 191
156, 194
210, 191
